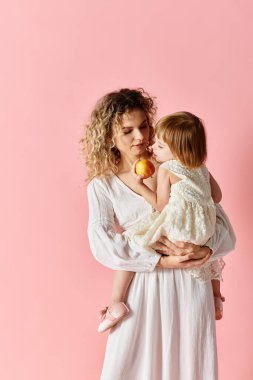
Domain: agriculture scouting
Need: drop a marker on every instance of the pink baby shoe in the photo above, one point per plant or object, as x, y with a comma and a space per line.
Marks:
112, 315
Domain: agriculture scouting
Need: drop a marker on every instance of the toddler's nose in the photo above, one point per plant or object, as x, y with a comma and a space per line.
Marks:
154, 146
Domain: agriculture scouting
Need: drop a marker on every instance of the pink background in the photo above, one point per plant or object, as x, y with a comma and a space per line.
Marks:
57, 58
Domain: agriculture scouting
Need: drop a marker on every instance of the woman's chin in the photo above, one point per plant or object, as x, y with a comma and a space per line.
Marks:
139, 150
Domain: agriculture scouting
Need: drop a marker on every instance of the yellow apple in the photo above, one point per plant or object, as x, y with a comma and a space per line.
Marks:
144, 167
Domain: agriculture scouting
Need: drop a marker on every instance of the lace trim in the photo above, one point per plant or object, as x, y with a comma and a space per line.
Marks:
208, 271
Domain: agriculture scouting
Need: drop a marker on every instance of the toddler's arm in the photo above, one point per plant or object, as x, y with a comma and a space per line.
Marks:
160, 198
215, 190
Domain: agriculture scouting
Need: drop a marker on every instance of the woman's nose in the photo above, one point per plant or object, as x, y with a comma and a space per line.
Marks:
138, 135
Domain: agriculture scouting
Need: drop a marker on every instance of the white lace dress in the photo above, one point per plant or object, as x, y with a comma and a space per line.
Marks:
189, 216
170, 332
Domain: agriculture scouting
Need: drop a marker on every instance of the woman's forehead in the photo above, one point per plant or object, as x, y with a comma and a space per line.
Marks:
133, 118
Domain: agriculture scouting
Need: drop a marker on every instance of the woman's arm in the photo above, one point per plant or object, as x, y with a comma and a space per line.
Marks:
108, 247
224, 239
114, 251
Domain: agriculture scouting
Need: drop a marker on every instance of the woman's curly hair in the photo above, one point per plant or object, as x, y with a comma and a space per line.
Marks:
98, 146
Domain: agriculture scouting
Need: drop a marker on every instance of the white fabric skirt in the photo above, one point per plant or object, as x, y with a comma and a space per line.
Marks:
170, 333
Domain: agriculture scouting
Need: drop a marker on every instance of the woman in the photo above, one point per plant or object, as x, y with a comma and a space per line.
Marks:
170, 333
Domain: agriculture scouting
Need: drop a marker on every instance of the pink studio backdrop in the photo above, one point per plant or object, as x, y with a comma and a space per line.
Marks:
57, 58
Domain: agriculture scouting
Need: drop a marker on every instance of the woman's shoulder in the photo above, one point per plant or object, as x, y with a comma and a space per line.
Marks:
100, 182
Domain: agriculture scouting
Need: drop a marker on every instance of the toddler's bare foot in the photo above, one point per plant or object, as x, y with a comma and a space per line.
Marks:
218, 307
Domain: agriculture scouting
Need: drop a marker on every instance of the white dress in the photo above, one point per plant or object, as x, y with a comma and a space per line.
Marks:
170, 332
189, 216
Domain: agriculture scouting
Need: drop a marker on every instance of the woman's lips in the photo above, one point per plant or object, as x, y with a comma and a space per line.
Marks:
138, 145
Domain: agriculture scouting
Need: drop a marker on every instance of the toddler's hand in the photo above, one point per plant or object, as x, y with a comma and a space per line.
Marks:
138, 178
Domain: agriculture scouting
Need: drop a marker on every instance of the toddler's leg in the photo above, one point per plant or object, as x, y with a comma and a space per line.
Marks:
120, 285
216, 288
218, 299
117, 308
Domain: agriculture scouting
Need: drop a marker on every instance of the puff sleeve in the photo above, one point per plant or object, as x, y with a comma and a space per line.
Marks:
223, 240
108, 247
221, 243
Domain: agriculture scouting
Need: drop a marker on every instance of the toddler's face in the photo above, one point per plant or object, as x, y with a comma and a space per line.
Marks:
161, 151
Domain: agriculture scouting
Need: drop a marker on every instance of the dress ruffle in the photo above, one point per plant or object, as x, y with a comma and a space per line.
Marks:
179, 221
208, 271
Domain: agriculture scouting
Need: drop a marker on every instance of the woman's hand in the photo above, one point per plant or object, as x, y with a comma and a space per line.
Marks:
183, 262
181, 255
192, 251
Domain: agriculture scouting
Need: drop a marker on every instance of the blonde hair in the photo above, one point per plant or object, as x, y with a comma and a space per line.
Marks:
102, 156
184, 133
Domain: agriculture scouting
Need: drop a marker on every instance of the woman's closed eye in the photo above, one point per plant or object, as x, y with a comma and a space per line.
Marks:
126, 131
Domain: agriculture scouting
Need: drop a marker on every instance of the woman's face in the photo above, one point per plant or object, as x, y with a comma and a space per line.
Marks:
132, 138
